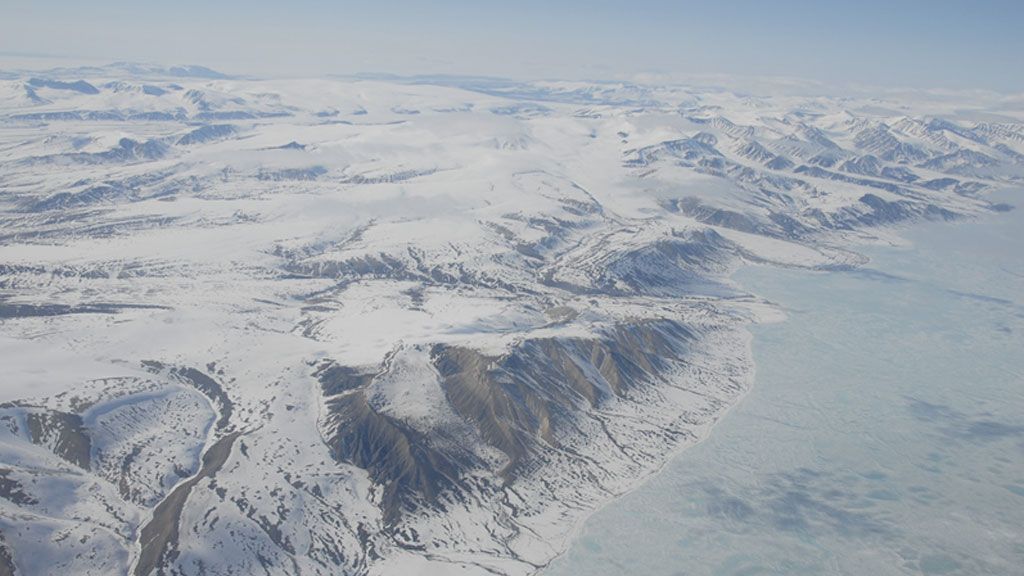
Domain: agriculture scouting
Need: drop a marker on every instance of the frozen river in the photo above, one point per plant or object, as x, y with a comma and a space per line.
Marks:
884, 434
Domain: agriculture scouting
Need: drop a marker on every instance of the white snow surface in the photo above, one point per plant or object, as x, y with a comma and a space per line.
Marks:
255, 232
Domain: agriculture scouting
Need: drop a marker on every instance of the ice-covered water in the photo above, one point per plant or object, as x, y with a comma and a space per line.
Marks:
884, 435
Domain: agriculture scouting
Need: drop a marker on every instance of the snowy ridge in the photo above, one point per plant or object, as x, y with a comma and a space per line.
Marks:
378, 325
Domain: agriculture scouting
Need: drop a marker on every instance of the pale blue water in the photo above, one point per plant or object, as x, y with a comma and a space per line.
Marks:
884, 435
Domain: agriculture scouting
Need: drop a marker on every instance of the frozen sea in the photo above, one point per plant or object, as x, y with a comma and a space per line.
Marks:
884, 434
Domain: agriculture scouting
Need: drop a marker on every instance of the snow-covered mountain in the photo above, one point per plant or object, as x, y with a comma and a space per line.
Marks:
381, 325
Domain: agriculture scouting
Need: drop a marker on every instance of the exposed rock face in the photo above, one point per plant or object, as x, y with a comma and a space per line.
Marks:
208, 133
336, 379
523, 402
395, 455
13, 490
212, 389
528, 408
62, 433
6, 561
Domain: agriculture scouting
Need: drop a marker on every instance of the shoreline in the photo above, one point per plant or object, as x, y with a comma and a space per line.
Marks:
577, 528
897, 240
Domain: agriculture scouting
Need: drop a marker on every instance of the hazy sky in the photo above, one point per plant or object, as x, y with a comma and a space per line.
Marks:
916, 43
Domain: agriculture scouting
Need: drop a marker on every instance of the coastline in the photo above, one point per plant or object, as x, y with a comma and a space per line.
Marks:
900, 237
577, 528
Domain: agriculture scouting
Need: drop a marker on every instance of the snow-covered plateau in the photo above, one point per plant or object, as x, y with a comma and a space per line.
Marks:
400, 326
